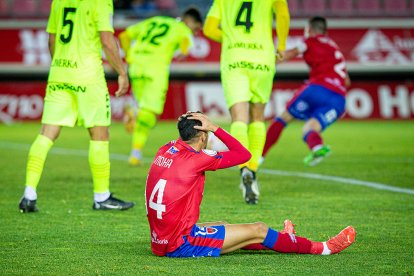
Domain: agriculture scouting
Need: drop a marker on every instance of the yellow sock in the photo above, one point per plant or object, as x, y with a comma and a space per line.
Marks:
257, 139
146, 120
239, 131
36, 160
100, 165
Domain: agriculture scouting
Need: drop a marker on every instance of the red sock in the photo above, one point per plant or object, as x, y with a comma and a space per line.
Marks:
313, 139
316, 248
255, 246
287, 243
273, 134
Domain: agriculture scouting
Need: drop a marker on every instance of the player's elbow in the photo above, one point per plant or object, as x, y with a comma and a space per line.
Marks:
107, 40
208, 32
211, 29
245, 157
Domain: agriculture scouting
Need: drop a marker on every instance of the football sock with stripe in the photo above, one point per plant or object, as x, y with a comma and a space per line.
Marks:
145, 121
100, 167
35, 163
273, 134
313, 139
289, 243
257, 138
238, 130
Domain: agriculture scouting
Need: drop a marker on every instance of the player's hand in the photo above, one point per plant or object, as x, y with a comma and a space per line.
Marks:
280, 55
181, 57
206, 124
123, 85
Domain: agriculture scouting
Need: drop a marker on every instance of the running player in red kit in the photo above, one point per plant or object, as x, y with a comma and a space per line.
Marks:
173, 194
321, 101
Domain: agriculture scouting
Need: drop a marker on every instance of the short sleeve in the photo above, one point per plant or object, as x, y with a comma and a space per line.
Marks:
215, 10
51, 24
104, 16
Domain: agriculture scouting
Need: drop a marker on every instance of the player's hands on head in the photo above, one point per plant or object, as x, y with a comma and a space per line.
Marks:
123, 85
206, 124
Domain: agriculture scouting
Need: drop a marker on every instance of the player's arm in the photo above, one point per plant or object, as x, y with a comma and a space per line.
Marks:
211, 29
281, 10
301, 48
184, 47
237, 153
51, 44
347, 80
112, 54
289, 54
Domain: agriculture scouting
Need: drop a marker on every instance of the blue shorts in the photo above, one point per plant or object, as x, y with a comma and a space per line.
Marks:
316, 101
202, 242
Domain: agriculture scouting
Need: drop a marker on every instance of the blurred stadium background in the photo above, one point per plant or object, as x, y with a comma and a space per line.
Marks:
376, 36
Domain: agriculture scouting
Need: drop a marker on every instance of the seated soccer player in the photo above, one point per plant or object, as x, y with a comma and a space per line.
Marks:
174, 191
321, 101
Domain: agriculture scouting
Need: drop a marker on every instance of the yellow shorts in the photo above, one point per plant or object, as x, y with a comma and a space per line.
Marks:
244, 84
149, 85
67, 104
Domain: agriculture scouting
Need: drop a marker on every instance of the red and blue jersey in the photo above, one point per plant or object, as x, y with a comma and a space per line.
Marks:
174, 191
326, 62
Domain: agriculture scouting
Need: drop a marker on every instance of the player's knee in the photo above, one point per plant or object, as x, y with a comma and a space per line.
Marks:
50, 131
99, 133
147, 118
260, 228
312, 124
286, 117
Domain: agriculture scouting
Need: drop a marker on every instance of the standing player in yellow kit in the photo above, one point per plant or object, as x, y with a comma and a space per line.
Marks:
247, 69
150, 46
77, 93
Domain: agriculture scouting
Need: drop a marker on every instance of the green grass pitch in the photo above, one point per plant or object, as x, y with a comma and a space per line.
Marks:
68, 238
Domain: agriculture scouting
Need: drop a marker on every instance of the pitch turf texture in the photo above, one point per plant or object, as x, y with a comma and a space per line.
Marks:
68, 237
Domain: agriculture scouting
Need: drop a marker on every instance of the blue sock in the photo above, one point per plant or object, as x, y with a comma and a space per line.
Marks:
271, 238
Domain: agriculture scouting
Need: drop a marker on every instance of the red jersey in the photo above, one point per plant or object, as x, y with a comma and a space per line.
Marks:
174, 191
326, 62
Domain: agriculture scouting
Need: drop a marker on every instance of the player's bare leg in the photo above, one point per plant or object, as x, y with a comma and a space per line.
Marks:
50, 131
35, 163
311, 133
100, 168
242, 235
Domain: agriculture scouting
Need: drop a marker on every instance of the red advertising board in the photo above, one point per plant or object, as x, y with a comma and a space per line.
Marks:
365, 100
361, 46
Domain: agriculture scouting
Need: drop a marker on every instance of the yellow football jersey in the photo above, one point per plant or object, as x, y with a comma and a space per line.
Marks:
247, 32
78, 50
156, 39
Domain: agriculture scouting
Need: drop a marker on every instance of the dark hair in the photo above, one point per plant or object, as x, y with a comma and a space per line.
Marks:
186, 127
193, 13
319, 24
